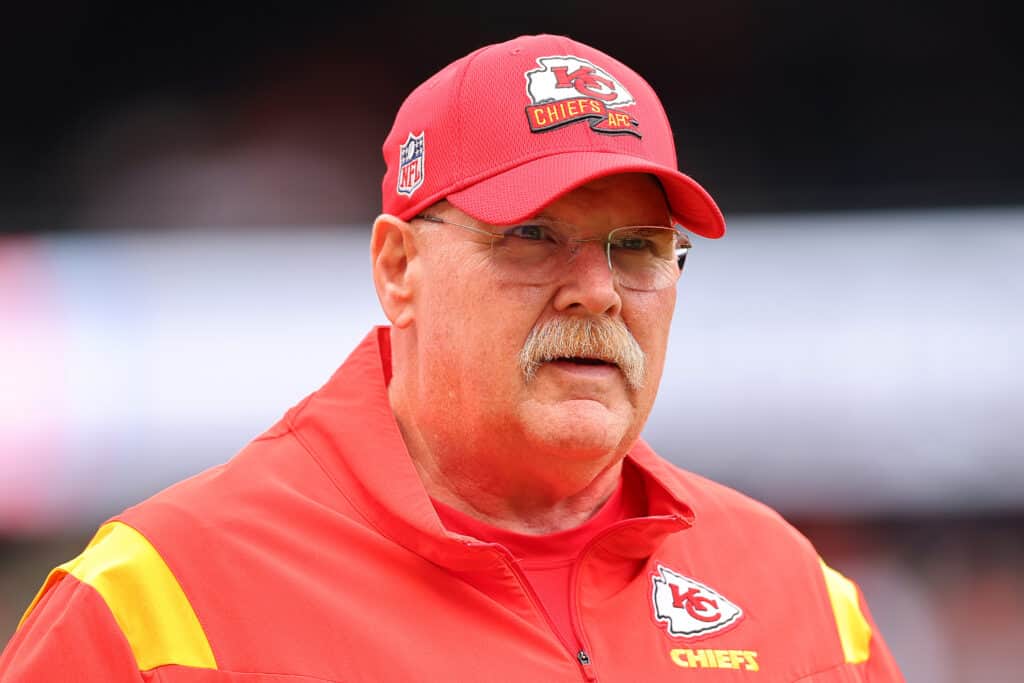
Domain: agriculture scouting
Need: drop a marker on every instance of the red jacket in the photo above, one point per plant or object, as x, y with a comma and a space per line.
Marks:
315, 554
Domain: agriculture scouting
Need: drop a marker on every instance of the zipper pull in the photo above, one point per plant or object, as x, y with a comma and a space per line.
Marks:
583, 657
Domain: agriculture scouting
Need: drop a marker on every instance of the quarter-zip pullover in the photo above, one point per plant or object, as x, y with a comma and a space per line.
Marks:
315, 554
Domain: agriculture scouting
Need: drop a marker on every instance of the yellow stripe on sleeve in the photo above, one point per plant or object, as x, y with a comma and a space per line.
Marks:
854, 631
141, 592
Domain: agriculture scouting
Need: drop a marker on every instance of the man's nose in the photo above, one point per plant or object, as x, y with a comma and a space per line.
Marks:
587, 281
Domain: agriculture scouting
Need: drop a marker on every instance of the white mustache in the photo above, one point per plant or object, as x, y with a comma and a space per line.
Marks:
600, 337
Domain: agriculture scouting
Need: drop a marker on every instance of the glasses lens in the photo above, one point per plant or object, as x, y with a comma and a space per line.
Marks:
531, 250
646, 257
641, 257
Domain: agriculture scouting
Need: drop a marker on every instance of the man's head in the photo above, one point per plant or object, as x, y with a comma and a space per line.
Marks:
526, 365
507, 129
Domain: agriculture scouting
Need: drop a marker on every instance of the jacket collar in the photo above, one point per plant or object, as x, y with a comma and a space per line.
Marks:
349, 428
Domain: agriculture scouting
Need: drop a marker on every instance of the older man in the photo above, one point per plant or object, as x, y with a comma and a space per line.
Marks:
468, 498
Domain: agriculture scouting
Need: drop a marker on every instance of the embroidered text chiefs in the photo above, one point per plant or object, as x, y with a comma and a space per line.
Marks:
568, 89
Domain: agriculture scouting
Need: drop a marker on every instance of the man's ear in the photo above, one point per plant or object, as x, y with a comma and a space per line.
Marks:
392, 257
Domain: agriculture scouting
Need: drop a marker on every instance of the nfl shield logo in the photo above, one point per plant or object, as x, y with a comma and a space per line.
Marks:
410, 164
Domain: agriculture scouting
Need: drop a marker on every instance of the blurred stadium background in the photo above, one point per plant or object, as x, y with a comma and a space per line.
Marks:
184, 208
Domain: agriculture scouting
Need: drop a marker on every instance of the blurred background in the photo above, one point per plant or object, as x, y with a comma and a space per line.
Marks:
185, 199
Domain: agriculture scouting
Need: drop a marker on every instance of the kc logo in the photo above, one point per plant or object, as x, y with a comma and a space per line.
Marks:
566, 90
688, 608
698, 606
586, 81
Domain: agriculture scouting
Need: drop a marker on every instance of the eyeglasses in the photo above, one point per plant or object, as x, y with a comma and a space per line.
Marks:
641, 257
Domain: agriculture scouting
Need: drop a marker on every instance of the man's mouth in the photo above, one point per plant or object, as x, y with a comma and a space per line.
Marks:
580, 360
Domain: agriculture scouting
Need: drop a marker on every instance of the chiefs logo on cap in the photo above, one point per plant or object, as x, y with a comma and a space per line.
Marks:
688, 608
568, 89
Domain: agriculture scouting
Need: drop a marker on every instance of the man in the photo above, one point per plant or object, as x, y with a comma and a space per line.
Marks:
468, 498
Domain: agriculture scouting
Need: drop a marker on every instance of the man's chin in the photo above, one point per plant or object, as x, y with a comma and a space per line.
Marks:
580, 425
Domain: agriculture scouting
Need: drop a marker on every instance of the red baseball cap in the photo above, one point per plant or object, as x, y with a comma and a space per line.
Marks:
509, 128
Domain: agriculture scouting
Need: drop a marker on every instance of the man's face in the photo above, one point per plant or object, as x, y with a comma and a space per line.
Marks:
472, 320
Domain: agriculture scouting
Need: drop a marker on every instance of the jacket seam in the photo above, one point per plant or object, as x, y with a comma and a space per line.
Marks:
323, 469
84, 586
835, 667
296, 677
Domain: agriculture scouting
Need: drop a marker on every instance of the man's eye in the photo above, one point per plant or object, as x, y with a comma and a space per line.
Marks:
531, 231
633, 243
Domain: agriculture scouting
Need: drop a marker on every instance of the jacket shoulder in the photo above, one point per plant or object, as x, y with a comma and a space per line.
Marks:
138, 590
773, 556
715, 504
273, 465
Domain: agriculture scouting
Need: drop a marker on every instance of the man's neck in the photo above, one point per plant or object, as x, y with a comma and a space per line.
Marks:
524, 509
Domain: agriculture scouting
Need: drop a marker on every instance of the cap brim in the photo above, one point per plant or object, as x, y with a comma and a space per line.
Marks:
521, 192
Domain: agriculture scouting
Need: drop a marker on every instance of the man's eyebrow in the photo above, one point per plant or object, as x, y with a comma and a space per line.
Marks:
669, 223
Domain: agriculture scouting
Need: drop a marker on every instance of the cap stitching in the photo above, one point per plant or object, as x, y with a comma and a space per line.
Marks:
569, 47
457, 101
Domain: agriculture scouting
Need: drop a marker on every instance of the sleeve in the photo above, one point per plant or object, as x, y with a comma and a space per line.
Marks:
113, 614
866, 653
70, 632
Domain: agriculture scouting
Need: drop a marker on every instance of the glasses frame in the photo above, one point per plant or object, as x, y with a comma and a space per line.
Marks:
680, 251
